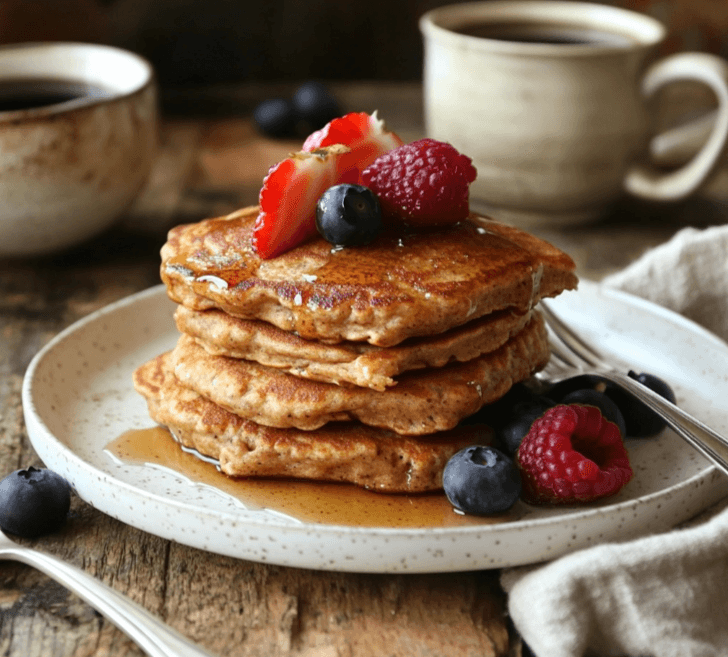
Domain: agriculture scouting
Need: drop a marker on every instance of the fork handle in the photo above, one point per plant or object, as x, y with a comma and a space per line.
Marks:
150, 633
709, 443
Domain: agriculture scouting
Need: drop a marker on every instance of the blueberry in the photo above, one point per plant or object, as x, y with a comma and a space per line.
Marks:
559, 390
481, 480
33, 502
520, 418
641, 421
276, 118
348, 215
497, 413
314, 105
602, 401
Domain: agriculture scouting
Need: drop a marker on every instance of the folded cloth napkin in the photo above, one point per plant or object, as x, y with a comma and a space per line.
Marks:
664, 595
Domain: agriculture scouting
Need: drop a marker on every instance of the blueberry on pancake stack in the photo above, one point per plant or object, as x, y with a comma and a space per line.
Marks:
354, 361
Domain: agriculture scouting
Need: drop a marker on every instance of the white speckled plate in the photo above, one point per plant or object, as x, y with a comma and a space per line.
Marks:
78, 397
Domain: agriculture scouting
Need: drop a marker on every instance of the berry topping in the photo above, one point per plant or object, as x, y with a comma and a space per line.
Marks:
288, 198
592, 397
314, 106
33, 502
638, 420
518, 422
481, 480
641, 421
366, 136
348, 215
425, 183
497, 413
276, 118
572, 454
559, 390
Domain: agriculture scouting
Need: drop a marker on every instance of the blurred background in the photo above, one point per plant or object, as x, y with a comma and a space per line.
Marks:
203, 42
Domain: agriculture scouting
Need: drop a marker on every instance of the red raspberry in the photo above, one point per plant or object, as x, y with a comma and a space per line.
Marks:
425, 183
572, 454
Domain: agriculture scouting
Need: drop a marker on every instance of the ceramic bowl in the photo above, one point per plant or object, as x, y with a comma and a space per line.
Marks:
78, 136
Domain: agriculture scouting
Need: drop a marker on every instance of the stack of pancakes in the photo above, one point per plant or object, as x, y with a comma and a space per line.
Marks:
347, 364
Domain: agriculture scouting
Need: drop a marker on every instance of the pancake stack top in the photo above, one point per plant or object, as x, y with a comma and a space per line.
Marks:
347, 364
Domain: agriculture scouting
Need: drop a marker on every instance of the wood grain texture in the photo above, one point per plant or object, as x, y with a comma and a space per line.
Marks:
239, 608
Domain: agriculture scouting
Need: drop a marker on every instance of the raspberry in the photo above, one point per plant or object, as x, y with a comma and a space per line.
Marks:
425, 183
572, 454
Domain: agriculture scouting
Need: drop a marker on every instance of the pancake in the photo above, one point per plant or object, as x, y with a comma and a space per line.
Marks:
404, 284
342, 452
422, 402
355, 363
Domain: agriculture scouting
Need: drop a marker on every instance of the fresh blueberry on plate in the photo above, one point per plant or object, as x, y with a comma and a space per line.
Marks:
481, 480
520, 418
499, 412
602, 401
640, 420
33, 502
559, 390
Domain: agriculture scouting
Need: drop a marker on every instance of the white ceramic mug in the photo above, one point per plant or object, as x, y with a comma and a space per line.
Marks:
73, 161
559, 131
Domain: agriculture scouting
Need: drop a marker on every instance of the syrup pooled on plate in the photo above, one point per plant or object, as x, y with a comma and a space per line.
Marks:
307, 501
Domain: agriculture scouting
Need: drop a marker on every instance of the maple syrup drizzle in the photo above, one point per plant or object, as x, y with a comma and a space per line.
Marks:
307, 501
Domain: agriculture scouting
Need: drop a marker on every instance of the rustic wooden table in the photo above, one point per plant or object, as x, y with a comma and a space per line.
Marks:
211, 162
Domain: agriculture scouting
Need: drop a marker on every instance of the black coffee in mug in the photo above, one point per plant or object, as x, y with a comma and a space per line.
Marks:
30, 93
545, 33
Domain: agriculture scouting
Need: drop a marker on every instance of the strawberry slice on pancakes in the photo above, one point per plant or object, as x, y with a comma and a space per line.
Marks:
365, 134
336, 154
288, 198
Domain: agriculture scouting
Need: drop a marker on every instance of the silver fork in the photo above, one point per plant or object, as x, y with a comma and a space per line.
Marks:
572, 355
149, 633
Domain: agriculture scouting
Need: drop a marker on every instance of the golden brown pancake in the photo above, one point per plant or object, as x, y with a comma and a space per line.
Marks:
356, 363
344, 452
404, 284
422, 402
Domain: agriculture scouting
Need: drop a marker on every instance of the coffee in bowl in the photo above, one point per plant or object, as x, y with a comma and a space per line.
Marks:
30, 93
78, 135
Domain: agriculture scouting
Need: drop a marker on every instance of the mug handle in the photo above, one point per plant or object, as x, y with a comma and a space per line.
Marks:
647, 182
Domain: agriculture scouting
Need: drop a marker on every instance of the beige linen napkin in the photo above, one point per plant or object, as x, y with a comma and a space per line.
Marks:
664, 595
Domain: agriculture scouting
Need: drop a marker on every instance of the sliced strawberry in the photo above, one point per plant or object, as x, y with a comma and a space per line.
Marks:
288, 198
366, 135
337, 153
